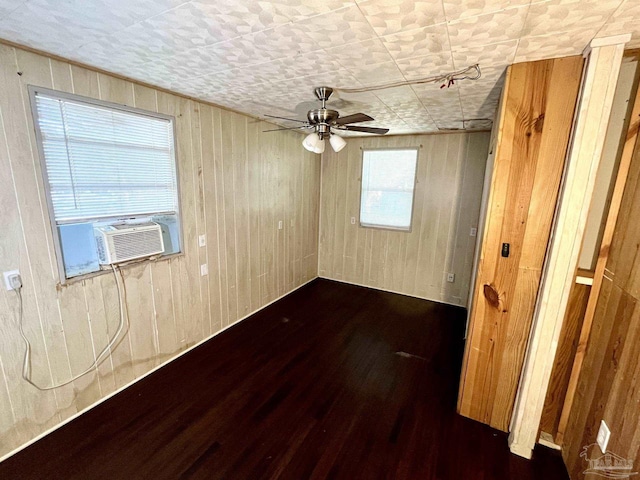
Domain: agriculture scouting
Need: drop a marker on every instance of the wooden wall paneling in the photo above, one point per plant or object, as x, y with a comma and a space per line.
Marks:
326, 213
170, 305
299, 269
240, 192
211, 209
221, 144
269, 221
200, 215
601, 70
567, 346
50, 361
472, 182
254, 167
314, 209
540, 97
338, 219
189, 265
405, 262
415, 249
608, 373
159, 273
280, 199
629, 150
431, 219
448, 228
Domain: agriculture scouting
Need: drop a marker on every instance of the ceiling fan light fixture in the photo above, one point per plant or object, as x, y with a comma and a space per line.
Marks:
337, 142
319, 147
312, 141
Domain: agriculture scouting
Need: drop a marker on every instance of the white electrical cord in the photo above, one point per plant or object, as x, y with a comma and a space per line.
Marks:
448, 78
26, 364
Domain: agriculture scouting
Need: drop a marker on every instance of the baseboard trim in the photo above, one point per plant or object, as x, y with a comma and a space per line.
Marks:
166, 362
393, 291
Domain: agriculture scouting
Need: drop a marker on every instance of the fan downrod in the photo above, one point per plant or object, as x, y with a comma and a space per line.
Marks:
323, 94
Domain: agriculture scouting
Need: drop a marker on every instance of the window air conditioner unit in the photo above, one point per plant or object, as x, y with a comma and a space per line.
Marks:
120, 243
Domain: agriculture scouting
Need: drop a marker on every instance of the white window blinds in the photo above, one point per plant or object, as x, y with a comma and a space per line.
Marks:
105, 162
388, 180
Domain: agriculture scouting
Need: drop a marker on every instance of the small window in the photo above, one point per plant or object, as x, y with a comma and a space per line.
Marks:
388, 181
103, 164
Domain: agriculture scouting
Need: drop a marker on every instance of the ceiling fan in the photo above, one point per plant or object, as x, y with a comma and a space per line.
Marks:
325, 122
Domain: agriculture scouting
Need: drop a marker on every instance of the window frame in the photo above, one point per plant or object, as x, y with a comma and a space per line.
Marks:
62, 274
413, 197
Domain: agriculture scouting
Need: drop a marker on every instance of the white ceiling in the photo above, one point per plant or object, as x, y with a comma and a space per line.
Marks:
262, 57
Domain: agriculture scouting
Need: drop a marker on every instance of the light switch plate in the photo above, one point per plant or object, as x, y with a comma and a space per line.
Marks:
603, 436
353, 220
204, 269
280, 225
202, 240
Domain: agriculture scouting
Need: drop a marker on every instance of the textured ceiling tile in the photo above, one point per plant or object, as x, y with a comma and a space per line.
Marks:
204, 23
553, 46
361, 54
439, 98
395, 95
377, 74
299, 9
419, 42
8, 6
478, 124
260, 47
487, 29
626, 19
61, 26
337, 28
487, 55
261, 56
456, 9
392, 16
564, 15
427, 66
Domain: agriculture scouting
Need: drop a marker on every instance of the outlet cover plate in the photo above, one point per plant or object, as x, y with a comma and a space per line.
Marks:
6, 278
451, 277
604, 434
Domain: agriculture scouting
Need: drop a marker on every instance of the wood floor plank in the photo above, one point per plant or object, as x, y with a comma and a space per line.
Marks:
332, 381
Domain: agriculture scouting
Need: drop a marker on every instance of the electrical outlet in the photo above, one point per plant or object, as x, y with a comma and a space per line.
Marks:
473, 232
353, 220
279, 224
603, 436
204, 270
451, 277
8, 276
202, 240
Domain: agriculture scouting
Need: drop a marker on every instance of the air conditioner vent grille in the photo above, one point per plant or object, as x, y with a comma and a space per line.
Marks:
120, 243
136, 244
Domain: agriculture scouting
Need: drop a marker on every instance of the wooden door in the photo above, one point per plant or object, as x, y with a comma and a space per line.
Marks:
533, 135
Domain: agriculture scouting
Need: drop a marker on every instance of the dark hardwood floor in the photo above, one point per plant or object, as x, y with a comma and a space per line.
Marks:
312, 387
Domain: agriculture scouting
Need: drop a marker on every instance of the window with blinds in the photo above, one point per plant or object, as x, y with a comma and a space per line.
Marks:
103, 163
388, 183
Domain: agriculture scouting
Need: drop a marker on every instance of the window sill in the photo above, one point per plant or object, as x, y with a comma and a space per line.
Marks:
107, 269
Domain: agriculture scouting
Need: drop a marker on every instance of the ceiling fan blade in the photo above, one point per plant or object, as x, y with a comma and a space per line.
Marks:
355, 118
288, 128
379, 131
285, 118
